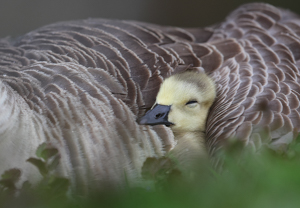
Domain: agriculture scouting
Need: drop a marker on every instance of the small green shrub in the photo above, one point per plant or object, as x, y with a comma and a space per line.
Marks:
248, 179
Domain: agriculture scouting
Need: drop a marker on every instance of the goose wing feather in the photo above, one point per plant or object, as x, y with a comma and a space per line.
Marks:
80, 85
265, 62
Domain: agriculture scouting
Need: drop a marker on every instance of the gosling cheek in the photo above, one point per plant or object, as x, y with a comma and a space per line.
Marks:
171, 117
175, 117
178, 119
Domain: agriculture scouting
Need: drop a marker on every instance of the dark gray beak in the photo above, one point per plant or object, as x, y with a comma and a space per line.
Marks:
157, 115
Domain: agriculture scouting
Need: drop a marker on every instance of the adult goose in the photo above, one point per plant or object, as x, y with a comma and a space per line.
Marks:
80, 86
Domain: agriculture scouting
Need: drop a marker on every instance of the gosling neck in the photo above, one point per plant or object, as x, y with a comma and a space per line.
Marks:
189, 149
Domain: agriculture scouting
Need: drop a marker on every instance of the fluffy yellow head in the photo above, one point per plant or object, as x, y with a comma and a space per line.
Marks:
190, 95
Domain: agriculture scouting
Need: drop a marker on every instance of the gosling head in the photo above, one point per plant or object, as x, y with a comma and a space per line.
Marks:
183, 102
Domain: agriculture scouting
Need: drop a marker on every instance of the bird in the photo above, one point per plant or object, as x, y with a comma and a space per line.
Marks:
80, 86
183, 103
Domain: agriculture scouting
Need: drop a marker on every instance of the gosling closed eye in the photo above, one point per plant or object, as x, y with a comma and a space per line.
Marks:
192, 103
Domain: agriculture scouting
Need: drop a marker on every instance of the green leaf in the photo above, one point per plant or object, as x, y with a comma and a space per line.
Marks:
59, 185
47, 153
11, 174
53, 162
9, 178
40, 149
39, 164
157, 168
9, 184
26, 186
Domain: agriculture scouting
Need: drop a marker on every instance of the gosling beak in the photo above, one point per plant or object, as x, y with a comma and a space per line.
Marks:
157, 115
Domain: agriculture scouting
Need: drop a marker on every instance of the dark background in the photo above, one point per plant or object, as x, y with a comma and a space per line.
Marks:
20, 16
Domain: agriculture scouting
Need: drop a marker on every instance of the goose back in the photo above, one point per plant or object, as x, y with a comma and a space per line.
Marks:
258, 79
80, 85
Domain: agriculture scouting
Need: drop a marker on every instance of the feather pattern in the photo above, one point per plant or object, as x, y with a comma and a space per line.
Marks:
80, 85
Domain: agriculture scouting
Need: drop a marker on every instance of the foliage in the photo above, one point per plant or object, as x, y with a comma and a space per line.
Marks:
50, 190
247, 179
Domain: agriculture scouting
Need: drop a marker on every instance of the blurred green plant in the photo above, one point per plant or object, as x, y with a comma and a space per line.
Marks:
8, 180
50, 190
264, 178
47, 160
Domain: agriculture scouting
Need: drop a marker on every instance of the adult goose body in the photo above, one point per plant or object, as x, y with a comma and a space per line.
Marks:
80, 86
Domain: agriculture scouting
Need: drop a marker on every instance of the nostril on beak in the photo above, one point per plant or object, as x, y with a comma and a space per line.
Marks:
159, 115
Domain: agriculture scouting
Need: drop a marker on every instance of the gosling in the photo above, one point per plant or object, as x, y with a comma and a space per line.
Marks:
183, 103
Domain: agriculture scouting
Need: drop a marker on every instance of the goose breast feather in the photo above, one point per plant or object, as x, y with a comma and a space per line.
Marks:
80, 85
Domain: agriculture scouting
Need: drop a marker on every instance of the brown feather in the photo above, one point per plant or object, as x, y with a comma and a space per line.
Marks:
80, 85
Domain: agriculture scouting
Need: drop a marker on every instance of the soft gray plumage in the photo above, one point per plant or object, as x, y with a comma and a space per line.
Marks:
81, 85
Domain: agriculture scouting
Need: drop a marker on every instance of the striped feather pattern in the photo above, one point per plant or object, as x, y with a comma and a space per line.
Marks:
81, 85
